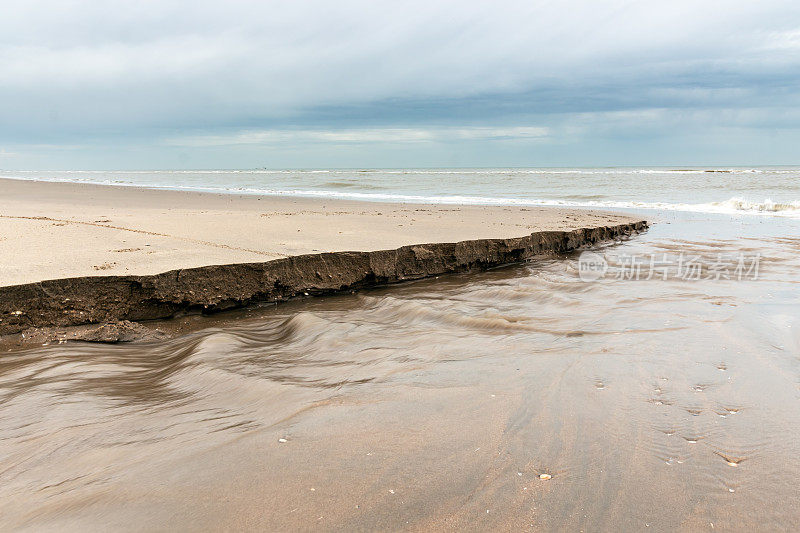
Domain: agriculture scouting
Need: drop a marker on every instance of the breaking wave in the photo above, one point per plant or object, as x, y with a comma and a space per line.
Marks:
767, 206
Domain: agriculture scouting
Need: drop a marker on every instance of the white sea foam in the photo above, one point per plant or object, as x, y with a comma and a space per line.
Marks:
767, 206
733, 206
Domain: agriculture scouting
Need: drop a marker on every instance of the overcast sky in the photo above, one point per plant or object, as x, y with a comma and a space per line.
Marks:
398, 84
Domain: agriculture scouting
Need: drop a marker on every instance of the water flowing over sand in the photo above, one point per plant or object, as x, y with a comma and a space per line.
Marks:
520, 397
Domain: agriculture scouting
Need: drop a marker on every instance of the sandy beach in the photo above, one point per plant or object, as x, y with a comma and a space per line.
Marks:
487, 398
411, 267
61, 230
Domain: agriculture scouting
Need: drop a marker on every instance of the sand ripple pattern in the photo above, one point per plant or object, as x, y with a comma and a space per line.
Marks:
664, 404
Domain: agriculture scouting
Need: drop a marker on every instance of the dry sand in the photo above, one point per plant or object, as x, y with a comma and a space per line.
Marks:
59, 230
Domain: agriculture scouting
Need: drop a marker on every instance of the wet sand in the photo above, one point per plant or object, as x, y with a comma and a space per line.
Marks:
655, 405
60, 230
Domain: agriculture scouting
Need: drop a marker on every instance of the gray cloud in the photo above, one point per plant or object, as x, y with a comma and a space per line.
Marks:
84, 74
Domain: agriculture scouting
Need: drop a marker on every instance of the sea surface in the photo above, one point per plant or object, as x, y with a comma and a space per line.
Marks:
659, 392
771, 190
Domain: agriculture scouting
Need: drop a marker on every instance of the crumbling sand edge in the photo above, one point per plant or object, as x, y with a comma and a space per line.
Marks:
65, 303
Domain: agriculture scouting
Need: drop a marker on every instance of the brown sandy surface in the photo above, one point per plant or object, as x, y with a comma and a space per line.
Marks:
428, 406
57, 230
517, 398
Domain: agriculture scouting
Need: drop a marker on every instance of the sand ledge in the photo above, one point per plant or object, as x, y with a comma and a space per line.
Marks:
66, 303
71, 230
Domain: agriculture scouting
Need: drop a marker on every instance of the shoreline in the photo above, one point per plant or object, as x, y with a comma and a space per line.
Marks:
306, 185
178, 252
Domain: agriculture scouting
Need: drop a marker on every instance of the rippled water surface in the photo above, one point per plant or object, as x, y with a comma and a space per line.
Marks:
773, 191
649, 403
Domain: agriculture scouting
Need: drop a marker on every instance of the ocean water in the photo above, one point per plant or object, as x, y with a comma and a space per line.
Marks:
661, 392
773, 191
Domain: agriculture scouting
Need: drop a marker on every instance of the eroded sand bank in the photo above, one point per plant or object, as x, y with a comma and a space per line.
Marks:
166, 244
61, 230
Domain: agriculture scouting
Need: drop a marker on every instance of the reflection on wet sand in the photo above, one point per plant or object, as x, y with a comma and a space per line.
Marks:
521, 397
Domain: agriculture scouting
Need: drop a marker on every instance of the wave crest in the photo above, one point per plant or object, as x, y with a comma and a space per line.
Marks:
767, 206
